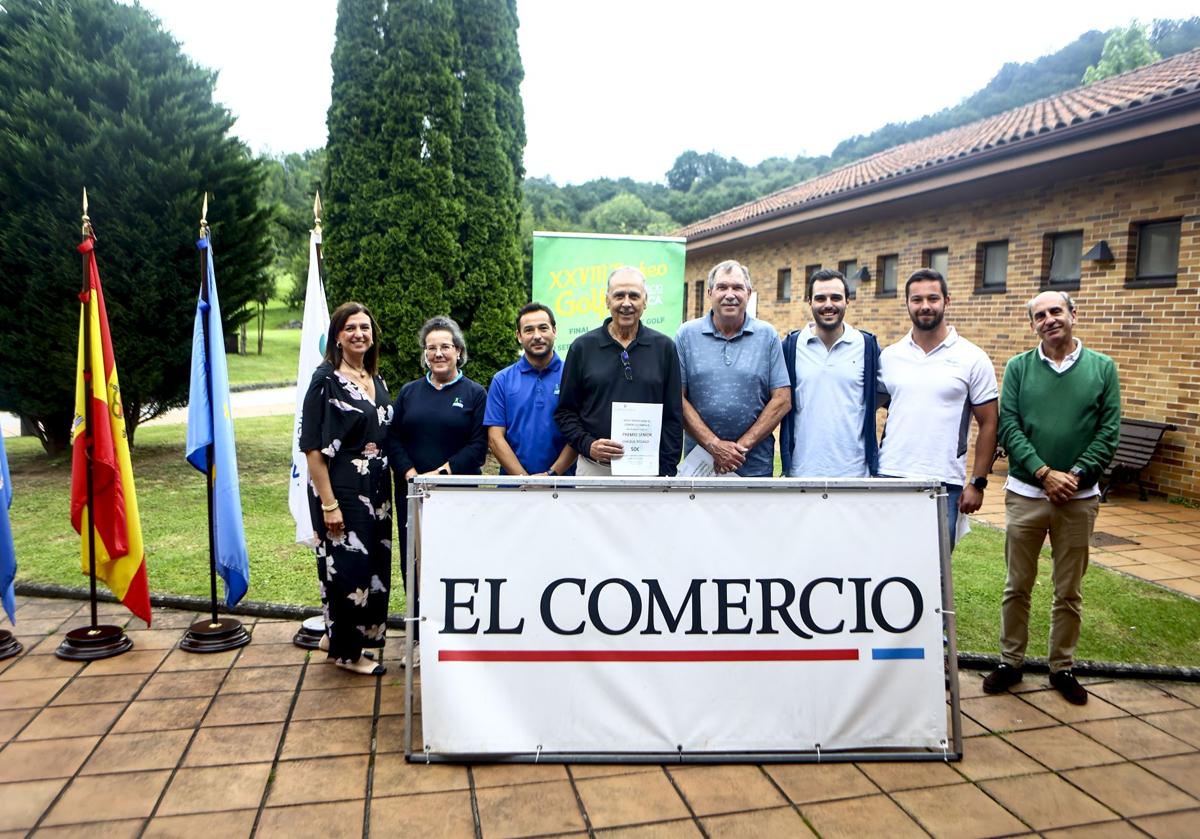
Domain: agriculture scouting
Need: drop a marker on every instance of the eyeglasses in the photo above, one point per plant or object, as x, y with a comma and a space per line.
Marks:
444, 349
625, 364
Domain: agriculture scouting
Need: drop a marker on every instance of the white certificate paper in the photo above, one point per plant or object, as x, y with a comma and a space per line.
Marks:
638, 427
697, 464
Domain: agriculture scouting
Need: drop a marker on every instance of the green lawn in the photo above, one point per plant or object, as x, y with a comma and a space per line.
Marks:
1125, 619
281, 350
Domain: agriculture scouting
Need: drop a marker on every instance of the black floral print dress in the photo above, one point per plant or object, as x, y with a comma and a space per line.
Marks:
342, 422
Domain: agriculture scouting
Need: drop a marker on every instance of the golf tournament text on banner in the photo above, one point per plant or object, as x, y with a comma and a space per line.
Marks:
570, 272
617, 620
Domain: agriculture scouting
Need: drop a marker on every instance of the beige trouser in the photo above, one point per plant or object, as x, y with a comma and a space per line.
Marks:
1070, 526
588, 468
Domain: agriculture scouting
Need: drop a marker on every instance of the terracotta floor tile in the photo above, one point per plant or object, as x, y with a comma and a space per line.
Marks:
171, 619
1171, 825
726, 789
58, 609
1046, 801
143, 750
389, 735
993, 757
438, 815
1104, 830
24, 802
271, 655
804, 782
781, 822
100, 689
72, 721
236, 824
1182, 552
1190, 586
1062, 748
1182, 724
1052, 703
183, 660
854, 818
343, 818
134, 661
1132, 738
154, 639
1129, 789
630, 799
396, 776
322, 675
1181, 770
579, 771
1187, 691
505, 774
217, 745
238, 709
521, 810
1005, 712
391, 698
960, 811
211, 789
130, 795
40, 759
326, 704
1178, 568
162, 714
274, 632
897, 776
1138, 697
319, 779
123, 829
41, 667
685, 829
182, 685
260, 679
12, 721
1183, 539
327, 738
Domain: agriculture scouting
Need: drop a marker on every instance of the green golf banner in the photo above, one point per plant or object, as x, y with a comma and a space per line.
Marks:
570, 271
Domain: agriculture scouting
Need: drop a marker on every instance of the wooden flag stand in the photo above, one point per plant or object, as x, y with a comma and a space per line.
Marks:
214, 634
95, 640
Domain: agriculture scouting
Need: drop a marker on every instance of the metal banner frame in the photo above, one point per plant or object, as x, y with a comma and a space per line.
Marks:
421, 487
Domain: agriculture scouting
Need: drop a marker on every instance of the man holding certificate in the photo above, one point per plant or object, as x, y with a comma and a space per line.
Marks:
621, 399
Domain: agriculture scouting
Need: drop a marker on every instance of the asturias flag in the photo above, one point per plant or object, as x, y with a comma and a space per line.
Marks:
209, 422
114, 523
312, 350
8, 556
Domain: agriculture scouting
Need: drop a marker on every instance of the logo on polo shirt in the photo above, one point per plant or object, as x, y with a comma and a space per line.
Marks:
556, 390
457, 403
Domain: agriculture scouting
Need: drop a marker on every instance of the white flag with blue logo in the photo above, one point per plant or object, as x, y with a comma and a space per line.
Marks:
312, 351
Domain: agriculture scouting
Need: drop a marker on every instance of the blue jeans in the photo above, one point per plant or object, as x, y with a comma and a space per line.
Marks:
953, 493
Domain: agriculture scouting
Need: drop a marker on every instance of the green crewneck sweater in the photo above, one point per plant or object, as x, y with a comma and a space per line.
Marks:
1060, 420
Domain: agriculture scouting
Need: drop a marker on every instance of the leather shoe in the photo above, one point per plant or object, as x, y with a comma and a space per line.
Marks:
1064, 682
1002, 678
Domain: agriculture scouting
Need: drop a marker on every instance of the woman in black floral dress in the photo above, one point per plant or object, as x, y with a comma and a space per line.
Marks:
343, 429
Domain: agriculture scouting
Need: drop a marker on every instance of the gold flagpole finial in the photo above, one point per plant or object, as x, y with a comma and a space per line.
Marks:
317, 209
204, 217
87, 222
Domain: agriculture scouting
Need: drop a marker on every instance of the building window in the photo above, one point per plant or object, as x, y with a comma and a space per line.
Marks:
1064, 257
849, 270
783, 288
809, 270
991, 273
938, 259
1157, 252
887, 270
698, 305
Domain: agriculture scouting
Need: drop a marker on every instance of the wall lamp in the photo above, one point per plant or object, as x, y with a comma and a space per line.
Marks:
1100, 252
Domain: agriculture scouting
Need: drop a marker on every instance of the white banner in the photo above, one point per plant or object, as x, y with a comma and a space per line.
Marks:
313, 333
637, 620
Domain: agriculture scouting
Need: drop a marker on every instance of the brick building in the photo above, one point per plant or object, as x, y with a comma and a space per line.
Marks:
1095, 191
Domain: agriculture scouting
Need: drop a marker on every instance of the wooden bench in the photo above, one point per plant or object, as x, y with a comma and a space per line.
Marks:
1135, 449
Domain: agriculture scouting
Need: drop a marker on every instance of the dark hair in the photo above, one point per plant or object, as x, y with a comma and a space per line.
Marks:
924, 275
337, 322
827, 274
443, 323
529, 308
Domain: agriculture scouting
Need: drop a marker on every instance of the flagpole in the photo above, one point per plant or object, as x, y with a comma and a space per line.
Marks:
94, 640
216, 634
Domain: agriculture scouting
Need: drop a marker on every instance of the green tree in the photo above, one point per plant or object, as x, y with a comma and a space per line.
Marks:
291, 184
95, 93
626, 213
1124, 49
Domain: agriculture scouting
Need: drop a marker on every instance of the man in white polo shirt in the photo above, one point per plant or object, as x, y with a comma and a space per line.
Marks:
937, 380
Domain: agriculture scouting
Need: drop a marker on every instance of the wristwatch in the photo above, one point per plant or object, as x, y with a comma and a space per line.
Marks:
551, 472
980, 483
1077, 471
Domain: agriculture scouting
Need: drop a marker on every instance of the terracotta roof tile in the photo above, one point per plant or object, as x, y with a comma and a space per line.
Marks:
1174, 76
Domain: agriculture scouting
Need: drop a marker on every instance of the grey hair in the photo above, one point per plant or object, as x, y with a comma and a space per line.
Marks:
443, 323
728, 267
1066, 299
624, 269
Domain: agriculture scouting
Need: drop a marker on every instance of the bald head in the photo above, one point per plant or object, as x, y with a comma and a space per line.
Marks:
625, 273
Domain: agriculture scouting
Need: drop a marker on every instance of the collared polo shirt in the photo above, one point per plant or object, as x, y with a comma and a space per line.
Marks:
729, 382
829, 406
930, 413
521, 400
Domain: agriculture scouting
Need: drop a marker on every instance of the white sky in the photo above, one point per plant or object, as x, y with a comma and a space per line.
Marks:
621, 87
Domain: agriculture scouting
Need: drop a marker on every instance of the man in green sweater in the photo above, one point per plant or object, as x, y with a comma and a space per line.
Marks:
1060, 416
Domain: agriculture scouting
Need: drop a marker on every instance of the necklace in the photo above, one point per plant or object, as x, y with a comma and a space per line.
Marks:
359, 372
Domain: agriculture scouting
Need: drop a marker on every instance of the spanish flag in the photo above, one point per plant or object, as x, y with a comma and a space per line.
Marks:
116, 527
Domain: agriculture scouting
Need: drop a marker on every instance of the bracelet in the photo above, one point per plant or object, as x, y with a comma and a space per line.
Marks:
329, 508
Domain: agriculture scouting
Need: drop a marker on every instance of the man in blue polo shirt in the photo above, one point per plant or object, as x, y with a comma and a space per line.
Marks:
521, 401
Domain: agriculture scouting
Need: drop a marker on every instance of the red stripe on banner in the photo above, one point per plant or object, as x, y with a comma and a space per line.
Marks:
647, 655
